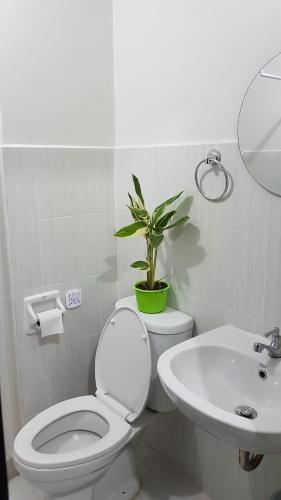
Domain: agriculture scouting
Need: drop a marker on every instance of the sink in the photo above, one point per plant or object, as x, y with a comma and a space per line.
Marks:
210, 376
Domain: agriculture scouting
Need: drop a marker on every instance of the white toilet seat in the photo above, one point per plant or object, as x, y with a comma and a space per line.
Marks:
85, 411
71, 444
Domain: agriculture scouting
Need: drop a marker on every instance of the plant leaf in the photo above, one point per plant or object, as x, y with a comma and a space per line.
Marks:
138, 188
135, 203
156, 214
130, 229
137, 212
141, 232
156, 239
162, 223
178, 222
142, 265
169, 201
131, 208
158, 211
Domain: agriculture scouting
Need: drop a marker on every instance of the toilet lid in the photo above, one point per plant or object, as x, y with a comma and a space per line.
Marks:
123, 361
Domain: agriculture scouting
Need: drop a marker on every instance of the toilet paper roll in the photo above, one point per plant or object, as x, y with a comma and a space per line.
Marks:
50, 322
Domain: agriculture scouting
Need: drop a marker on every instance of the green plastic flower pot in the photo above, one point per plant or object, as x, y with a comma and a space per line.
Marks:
151, 301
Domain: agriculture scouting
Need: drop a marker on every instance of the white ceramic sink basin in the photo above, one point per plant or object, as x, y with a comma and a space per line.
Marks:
208, 376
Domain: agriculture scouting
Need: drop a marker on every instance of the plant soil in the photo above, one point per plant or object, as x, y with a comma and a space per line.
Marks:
158, 285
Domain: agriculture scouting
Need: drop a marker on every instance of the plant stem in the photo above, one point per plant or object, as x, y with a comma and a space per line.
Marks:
154, 266
150, 256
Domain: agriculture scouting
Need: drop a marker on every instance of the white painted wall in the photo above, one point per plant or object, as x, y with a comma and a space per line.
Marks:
56, 72
182, 67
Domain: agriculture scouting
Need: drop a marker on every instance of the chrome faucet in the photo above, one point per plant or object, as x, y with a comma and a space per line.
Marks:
274, 349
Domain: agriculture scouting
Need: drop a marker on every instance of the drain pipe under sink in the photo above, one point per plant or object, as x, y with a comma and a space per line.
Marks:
249, 461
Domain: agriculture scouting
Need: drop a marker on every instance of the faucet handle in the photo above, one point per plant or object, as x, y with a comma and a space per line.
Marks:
275, 332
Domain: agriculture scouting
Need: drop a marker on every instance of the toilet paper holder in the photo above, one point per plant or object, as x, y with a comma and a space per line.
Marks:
39, 298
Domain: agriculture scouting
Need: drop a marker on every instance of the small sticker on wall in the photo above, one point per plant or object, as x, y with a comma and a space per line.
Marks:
73, 298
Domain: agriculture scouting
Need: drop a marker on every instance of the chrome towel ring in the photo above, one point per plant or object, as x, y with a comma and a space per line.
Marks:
213, 158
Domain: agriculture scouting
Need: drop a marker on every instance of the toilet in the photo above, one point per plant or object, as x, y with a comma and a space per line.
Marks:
83, 448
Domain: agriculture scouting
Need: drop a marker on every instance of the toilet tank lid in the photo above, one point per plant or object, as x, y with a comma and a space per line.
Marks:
168, 322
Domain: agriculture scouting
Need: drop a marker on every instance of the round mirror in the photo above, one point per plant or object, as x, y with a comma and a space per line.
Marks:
259, 127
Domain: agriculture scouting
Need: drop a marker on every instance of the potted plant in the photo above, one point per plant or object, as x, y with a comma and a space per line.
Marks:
151, 294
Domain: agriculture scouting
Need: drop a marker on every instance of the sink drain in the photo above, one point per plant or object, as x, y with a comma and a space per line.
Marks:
246, 412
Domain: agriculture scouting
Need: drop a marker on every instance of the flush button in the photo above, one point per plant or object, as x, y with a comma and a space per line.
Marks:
112, 321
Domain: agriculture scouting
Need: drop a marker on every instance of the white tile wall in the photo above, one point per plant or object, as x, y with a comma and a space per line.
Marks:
224, 263
67, 182
69, 369
105, 179
25, 255
61, 224
272, 308
34, 387
70, 247
106, 242
8, 369
21, 183
107, 294
8, 373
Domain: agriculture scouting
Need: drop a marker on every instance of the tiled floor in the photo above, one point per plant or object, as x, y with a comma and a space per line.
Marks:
161, 481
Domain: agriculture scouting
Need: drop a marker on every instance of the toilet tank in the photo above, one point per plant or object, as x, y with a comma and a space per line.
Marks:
165, 330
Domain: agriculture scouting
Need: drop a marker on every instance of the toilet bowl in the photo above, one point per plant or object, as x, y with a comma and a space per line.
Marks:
82, 448
69, 444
